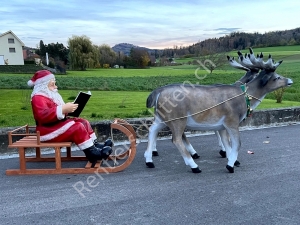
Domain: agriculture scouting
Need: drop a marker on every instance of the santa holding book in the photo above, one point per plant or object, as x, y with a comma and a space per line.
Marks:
51, 115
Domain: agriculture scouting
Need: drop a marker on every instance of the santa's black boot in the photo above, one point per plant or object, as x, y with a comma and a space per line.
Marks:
93, 154
108, 142
105, 152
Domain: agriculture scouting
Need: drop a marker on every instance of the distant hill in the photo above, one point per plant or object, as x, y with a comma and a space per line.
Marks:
234, 40
125, 48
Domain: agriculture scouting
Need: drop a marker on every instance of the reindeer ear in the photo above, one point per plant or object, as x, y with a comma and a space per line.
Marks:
264, 80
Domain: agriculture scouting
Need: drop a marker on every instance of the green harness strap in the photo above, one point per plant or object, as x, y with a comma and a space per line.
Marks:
248, 99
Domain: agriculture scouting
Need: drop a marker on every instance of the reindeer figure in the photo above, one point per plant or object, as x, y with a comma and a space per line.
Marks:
251, 73
210, 107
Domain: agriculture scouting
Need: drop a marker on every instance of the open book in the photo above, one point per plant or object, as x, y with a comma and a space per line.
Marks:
81, 99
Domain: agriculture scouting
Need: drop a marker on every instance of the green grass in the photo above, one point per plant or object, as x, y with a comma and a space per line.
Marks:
124, 73
103, 105
271, 104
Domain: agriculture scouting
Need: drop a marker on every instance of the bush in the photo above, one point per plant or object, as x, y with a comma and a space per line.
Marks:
22, 69
279, 94
29, 62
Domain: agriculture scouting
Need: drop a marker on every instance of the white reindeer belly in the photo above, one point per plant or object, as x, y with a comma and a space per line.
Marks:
204, 125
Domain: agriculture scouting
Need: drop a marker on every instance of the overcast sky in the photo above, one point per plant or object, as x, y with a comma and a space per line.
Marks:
152, 23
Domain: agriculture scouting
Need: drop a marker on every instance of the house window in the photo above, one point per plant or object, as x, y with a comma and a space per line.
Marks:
11, 40
12, 50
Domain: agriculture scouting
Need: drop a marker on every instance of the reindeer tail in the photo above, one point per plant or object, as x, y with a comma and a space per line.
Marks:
151, 100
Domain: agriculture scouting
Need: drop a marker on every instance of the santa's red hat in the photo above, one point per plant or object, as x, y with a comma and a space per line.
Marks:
39, 77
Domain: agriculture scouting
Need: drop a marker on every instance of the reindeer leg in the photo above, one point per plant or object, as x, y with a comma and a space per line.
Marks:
227, 145
154, 149
177, 131
224, 138
222, 152
235, 146
189, 147
152, 137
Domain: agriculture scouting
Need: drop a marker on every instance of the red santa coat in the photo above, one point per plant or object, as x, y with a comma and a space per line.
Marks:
55, 126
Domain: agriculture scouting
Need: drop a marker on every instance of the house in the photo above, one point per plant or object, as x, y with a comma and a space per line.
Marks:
29, 53
11, 49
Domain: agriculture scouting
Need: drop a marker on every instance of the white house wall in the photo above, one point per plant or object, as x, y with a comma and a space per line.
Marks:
14, 58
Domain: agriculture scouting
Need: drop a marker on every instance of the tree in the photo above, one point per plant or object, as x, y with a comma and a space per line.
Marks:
58, 52
41, 51
106, 55
140, 57
83, 54
212, 61
120, 59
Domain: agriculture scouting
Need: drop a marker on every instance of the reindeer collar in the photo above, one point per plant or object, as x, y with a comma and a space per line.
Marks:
248, 100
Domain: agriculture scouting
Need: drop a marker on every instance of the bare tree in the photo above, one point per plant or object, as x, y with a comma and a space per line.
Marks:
213, 61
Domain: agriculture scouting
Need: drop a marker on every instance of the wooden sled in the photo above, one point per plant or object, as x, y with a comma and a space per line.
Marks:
119, 160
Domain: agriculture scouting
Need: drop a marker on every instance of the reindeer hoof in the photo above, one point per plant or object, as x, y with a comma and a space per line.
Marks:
154, 153
237, 163
196, 170
196, 156
230, 169
150, 164
222, 153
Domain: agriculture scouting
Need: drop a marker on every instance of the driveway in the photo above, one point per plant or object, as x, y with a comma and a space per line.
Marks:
265, 189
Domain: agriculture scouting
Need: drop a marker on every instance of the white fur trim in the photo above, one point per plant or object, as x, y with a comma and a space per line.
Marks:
58, 132
44, 79
30, 83
93, 136
86, 144
59, 113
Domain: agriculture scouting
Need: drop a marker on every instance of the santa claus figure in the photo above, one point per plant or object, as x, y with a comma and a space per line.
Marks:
51, 115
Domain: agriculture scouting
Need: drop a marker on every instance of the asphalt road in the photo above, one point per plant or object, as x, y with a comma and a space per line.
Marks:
265, 189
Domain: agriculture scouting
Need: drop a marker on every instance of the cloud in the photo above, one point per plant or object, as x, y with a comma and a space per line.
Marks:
155, 24
228, 30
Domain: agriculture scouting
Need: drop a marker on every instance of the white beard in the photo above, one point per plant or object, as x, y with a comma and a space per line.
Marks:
42, 89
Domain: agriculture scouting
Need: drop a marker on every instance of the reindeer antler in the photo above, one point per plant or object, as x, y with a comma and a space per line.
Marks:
246, 62
235, 64
258, 61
